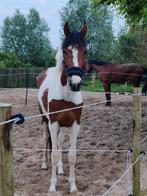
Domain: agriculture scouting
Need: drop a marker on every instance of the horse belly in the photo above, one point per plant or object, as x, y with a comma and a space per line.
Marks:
65, 119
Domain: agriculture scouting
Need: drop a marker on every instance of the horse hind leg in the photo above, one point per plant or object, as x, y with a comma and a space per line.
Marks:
47, 140
107, 88
144, 89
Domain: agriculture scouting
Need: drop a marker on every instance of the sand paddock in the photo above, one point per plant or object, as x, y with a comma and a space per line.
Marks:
101, 129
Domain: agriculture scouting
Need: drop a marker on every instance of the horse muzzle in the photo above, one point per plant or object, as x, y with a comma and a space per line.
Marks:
75, 76
75, 85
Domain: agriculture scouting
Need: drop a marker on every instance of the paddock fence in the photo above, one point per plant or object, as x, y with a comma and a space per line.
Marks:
26, 78
19, 77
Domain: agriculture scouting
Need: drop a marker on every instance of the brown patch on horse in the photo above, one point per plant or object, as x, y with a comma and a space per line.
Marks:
63, 79
67, 118
41, 78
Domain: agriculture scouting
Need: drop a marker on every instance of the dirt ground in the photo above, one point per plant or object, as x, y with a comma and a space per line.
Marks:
102, 128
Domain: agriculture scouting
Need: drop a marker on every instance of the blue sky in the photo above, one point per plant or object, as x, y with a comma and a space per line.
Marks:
48, 9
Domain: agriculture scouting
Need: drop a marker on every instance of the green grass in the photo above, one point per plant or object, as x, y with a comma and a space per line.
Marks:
144, 193
99, 87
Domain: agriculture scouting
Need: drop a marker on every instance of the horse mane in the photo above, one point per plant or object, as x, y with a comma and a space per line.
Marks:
74, 39
98, 63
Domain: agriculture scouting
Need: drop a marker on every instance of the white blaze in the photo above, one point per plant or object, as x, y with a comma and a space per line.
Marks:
75, 79
75, 57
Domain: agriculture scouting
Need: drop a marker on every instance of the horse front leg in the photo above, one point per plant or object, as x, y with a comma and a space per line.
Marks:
46, 144
60, 142
107, 88
74, 130
54, 128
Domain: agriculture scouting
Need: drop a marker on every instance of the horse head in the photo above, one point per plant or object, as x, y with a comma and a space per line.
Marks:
74, 57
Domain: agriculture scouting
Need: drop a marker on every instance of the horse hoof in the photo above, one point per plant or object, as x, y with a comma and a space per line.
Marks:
52, 189
44, 166
60, 171
108, 105
73, 189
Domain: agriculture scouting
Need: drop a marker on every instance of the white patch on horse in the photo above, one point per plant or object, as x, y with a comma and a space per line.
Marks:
63, 131
73, 132
46, 145
59, 58
75, 57
70, 47
42, 89
54, 128
75, 79
74, 97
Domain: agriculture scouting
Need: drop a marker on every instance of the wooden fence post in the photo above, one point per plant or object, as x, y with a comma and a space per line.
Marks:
93, 80
136, 141
6, 180
125, 88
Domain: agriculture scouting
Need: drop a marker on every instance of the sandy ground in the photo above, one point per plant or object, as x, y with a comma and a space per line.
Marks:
102, 128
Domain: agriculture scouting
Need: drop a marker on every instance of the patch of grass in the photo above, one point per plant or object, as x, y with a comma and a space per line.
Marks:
114, 87
143, 193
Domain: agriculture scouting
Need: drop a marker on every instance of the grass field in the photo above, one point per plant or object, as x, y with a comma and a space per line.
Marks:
98, 87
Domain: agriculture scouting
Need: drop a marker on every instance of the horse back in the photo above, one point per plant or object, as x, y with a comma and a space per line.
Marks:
134, 68
41, 77
42, 94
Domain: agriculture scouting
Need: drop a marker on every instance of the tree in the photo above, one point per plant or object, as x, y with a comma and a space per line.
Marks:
27, 37
135, 11
127, 48
13, 34
100, 35
9, 59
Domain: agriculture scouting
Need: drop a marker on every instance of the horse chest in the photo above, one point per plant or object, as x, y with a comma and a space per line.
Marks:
64, 118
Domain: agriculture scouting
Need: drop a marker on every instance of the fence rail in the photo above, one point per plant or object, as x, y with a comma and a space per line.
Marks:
19, 77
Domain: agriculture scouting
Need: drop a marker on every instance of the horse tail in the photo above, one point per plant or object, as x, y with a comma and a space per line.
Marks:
144, 79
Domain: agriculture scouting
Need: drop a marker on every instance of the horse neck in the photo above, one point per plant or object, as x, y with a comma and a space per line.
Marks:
97, 68
74, 97
68, 94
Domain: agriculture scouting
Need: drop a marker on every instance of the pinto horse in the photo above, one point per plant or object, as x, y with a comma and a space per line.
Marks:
59, 90
117, 73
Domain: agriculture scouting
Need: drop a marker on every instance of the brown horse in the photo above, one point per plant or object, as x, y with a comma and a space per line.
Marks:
117, 73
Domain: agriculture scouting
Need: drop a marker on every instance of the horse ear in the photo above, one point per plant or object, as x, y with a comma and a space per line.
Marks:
66, 29
84, 29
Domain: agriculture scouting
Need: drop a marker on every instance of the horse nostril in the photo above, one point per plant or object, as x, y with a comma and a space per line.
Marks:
79, 84
76, 87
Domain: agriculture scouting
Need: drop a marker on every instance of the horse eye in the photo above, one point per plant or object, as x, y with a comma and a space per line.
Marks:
64, 51
85, 52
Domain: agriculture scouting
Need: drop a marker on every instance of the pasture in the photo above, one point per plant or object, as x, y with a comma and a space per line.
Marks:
102, 128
